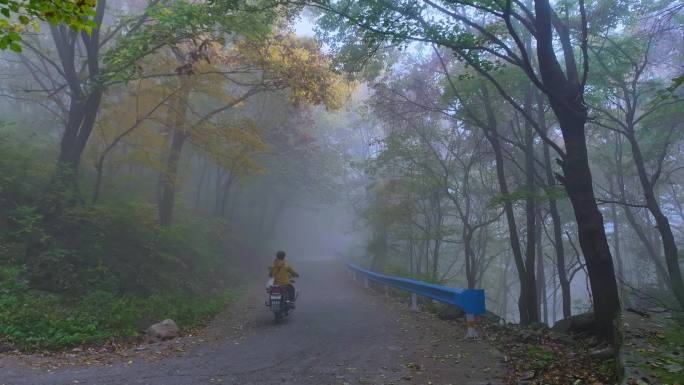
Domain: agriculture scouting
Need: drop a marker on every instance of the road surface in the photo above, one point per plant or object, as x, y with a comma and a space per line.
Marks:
340, 333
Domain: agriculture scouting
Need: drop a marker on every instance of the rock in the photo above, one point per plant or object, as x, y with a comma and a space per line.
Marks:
527, 375
560, 337
161, 331
603, 353
529, 335
580, 323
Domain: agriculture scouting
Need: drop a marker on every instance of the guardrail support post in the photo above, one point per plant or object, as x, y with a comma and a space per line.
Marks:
365, 282
386, 291
354, 276
414, 302
471, 332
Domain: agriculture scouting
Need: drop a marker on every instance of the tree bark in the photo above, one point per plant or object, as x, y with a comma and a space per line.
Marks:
541, 274
662, 222
564, 282
566, 96
616, 239
650, 249
493, 137
169, 177
226, 193
200, 183
85, 96
531, 214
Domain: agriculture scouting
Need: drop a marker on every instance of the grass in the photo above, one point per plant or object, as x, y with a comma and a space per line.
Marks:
666, 358
30, 321
540, 355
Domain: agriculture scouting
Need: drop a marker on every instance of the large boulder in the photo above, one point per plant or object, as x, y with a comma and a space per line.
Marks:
161, 331
576, 324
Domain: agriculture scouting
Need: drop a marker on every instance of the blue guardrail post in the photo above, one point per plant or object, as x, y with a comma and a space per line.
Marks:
471, 301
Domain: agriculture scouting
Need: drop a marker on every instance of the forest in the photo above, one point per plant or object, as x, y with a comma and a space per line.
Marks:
155, 154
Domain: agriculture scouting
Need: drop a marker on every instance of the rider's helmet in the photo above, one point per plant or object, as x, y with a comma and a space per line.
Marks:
280, 255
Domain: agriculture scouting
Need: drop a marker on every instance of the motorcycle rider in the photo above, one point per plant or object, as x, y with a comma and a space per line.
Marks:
281, 273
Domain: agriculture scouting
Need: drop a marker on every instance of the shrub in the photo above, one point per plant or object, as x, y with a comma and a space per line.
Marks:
84, 273
33, 321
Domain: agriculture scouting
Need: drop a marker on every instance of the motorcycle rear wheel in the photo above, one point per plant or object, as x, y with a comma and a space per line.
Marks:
278, 317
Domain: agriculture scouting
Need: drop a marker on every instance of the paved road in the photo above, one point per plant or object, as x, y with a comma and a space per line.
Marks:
339, 334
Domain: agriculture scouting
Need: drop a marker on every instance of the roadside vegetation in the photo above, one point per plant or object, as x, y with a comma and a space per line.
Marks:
144, 181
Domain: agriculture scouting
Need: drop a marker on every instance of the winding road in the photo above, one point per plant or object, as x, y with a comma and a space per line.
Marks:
340, 333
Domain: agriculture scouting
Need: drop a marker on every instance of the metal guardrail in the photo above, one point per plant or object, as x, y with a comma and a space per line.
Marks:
471, 301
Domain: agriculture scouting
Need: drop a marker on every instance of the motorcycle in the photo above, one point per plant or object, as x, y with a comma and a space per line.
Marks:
279, 300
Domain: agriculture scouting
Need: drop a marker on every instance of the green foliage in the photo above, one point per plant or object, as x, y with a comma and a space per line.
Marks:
541, 355
17, 15
45, 321
676, 82
115, 247
401, 271
521, 193
169, 24
665, 359
100, 271
22, 166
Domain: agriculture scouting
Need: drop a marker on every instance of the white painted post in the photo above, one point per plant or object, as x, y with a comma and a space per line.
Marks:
471, 332
414, 302
354, 276
386, 291
365, 282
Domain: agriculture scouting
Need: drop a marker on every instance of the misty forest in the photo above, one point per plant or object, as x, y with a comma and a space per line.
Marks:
156, 154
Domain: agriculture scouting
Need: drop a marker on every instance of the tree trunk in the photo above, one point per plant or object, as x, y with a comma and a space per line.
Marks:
662, 222
504, 289
563, 280
218, 193
566, 96
469, 256
168, 178
439, 220
541, 274
651, 252
85, 95
493, 137
531, 215
204, 165
616, 239
226, 193
577, 181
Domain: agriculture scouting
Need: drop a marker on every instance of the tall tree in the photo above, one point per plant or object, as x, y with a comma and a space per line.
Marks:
561, 76
630, 101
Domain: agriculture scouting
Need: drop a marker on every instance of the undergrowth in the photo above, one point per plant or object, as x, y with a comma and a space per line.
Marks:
89, 272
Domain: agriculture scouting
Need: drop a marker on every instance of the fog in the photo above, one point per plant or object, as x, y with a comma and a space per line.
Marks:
317, 234
165, 155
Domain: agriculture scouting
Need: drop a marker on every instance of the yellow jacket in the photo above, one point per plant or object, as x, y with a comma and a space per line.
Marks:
281, 272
